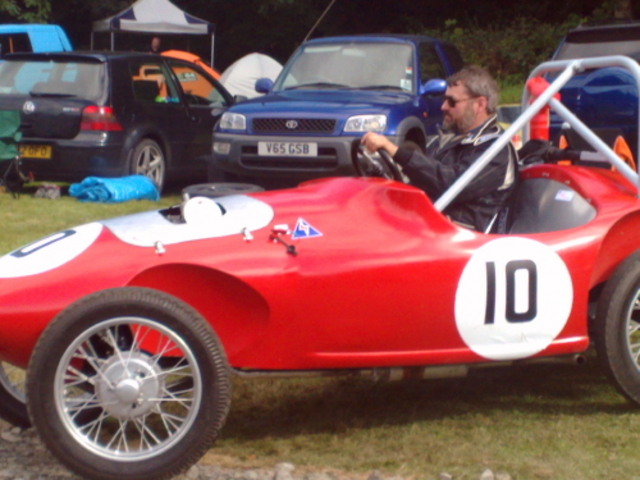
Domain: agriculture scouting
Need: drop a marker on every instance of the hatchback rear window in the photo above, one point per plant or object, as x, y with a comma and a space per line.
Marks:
589, 43
49, 78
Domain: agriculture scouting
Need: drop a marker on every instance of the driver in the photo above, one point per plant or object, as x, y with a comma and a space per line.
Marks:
469, 128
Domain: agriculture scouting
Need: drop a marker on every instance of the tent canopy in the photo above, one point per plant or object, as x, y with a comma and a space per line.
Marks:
154, 16
240, 78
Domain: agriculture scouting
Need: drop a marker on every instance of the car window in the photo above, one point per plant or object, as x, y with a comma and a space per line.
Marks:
364, 65
52, 78
196, 87
430, 64
14, 42
151, 82
588, 43
453, 55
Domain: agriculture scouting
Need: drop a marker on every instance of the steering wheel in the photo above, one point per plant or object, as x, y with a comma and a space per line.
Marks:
368, 166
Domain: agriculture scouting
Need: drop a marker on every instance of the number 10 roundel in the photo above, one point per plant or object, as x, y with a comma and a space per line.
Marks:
513, 298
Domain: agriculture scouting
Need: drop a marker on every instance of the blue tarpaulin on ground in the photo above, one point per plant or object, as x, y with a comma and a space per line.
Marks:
114, 190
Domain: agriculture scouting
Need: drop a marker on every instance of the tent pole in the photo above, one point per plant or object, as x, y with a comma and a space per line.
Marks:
212, 44
112, 41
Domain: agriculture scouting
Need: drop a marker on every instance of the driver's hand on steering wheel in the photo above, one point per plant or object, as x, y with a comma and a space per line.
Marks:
374, 142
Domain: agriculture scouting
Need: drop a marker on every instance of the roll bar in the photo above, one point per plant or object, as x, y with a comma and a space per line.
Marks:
568, 69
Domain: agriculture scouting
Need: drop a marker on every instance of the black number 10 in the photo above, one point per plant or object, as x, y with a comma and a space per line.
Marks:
510, 309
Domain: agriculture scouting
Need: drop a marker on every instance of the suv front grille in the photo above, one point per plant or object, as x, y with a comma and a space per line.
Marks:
293, 125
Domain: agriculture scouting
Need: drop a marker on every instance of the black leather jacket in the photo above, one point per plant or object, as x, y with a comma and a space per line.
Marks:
447, 157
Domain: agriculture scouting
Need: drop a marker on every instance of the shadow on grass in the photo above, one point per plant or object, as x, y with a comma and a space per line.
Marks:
284, 408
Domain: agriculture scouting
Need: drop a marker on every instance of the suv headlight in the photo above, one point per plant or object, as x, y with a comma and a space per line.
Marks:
366, 123
233, 121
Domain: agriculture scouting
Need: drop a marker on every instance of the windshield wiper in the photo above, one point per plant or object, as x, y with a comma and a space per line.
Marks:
51, 94
318, 85
380, 87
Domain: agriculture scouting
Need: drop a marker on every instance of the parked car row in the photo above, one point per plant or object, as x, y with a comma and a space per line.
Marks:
114, 114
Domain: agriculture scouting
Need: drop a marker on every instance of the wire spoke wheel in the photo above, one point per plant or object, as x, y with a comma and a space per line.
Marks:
618, 327
13, 399
128, 378
12, 379
137, 408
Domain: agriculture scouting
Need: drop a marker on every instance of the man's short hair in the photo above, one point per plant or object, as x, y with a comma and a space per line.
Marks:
478, 83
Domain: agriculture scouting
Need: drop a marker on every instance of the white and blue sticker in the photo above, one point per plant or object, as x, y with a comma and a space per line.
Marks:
50, 252
304, 229
513, 299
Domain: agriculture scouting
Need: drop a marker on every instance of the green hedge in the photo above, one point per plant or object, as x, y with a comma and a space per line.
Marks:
509, 51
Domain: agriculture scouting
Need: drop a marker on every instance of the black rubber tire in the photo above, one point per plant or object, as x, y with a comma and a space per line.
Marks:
614, 317
147, 158
115, 315
13, 408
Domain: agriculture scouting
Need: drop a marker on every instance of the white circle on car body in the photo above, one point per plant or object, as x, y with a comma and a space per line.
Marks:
50, 252
513, 299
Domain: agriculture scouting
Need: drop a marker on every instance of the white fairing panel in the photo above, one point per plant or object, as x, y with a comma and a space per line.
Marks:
206, 218
50, 252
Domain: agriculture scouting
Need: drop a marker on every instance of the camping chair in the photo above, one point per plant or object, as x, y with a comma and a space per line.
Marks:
10, 136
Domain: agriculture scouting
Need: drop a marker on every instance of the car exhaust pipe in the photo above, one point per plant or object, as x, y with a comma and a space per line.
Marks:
575, 359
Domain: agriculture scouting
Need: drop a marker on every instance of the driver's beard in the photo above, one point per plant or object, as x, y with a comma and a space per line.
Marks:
462, 124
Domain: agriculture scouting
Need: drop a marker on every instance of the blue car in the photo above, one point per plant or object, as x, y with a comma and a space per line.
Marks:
329, 94
606, 99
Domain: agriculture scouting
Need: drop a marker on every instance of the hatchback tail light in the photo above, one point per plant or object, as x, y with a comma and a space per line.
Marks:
99, 118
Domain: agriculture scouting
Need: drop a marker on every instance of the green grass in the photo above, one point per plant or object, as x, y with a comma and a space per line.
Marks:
538, 422
28, 218
511, 94
545, 422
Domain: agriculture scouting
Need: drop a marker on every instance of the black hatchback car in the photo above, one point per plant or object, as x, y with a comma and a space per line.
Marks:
111, 114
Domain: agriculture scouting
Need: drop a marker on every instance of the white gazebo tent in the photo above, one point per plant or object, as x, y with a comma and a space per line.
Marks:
241, 76
154, 16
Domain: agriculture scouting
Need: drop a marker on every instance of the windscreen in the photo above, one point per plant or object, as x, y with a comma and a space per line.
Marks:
359, 65
50, 78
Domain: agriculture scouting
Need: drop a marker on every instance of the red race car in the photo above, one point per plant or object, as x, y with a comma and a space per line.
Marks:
130, 329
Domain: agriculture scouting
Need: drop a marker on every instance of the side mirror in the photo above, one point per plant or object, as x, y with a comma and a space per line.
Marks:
434, 87
263, 85
239, 98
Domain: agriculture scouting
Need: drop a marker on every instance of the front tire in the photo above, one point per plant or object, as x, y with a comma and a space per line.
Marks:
128, 383
618, 327
147, 158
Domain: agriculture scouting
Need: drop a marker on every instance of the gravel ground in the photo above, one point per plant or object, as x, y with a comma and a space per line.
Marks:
24, 457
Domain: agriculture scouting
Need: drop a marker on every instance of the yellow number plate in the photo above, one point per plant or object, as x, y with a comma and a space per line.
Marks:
35, 151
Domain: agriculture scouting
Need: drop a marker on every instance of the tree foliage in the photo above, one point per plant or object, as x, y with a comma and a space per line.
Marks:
507, 38
30, 11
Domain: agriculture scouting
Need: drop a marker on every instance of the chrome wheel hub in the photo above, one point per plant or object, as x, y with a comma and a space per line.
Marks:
130, 385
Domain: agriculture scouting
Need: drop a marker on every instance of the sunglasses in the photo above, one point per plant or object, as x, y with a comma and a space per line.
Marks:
452, 102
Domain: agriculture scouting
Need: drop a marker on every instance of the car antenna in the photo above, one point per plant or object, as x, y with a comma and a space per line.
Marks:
319, 20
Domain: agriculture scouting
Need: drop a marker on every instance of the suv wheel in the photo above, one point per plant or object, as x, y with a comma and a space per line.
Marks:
147, 159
